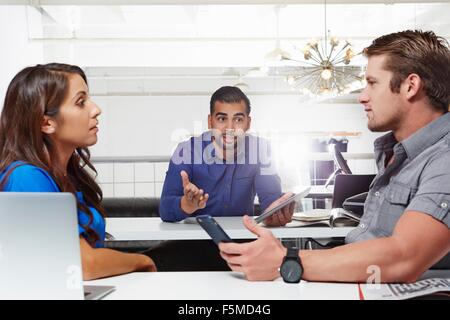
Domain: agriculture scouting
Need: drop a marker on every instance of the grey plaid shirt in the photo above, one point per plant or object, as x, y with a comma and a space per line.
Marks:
417, 180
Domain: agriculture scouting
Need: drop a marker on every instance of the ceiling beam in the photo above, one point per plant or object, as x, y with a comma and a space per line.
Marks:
189, 39
202, 2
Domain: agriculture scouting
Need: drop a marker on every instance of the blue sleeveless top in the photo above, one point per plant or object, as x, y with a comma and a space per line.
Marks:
29, 178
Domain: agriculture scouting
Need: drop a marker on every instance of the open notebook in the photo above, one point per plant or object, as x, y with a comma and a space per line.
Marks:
336, 217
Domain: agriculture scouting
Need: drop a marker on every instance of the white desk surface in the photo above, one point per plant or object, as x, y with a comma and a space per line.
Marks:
141, 229
217, 286
226, 286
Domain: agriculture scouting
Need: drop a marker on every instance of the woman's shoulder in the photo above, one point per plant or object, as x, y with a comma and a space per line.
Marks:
20, 168
28, 177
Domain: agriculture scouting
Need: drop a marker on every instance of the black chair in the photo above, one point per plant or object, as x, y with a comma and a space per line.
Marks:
128, 207
131, 207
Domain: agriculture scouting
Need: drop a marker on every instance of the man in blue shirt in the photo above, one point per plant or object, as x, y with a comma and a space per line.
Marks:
220, 172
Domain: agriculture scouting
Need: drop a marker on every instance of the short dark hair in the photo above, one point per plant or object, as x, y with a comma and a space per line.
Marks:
420, 52
229, 94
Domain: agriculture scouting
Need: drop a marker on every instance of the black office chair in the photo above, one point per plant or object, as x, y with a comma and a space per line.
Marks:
131, 207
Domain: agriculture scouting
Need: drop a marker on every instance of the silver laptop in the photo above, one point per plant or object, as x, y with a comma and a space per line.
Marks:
40, 248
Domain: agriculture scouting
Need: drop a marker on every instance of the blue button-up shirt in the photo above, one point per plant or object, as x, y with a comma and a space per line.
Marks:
231, 187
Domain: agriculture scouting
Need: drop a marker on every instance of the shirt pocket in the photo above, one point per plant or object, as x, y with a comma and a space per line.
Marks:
243, 183
396, 198
245, 172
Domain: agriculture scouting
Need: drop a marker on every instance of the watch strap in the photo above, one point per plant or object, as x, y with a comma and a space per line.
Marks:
292, 253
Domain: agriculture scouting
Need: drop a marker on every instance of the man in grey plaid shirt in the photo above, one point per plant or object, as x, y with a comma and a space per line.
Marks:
405, 229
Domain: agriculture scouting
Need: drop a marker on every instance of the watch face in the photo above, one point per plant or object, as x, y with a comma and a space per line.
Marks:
291, 271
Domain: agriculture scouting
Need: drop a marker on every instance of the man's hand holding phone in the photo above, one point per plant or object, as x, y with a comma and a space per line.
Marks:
215, 231
193, 198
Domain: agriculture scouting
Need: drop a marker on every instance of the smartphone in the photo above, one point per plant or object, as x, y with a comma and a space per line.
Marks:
215, 231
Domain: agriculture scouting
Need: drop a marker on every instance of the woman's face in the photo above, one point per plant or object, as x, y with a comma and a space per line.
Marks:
75, 126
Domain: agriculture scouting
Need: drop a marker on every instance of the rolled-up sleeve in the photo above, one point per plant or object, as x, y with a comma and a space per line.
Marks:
433, 194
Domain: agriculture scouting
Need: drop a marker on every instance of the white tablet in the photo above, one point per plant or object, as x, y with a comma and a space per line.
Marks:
295, 197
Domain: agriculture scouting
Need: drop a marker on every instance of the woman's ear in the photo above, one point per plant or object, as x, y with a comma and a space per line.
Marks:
48, 125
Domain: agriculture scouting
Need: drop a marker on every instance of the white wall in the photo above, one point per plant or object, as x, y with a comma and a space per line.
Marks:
148, 126
16, 50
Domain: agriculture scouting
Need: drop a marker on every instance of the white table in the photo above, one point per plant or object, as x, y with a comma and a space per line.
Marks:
142, 229
226, 286
217, 286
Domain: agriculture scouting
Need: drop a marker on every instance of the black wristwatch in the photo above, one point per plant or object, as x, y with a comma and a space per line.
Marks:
291, 269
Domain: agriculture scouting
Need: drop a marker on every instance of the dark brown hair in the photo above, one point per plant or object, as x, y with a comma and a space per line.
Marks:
229, 94
419, 52
35, 92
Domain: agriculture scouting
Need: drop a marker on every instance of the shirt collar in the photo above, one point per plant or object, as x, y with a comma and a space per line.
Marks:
385, 142
427, 136
418, 141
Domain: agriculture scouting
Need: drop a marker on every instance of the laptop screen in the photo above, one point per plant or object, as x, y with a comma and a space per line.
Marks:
347, 185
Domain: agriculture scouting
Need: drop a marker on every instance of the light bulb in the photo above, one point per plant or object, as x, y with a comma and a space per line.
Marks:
313, 43
349, 53
306, 48
307, 54
334, 41
326, 74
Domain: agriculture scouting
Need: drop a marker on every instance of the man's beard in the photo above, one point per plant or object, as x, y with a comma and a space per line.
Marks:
388, 125
230, 144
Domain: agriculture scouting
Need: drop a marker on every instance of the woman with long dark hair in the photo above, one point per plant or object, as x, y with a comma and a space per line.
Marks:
47, 122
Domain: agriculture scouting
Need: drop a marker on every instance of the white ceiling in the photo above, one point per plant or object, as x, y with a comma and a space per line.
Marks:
245, 22
195, 2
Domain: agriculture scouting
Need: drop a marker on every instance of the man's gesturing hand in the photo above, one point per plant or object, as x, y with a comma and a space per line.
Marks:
193, 198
